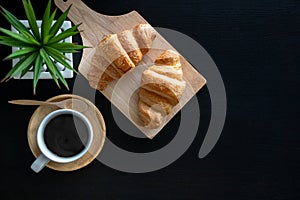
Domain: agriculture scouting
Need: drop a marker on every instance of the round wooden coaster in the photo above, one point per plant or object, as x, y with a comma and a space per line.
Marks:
99, 129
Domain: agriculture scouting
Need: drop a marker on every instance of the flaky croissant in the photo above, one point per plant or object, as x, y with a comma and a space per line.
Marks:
162, 86
119, 53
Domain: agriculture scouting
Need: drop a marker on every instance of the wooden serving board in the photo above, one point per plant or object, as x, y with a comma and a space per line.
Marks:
123, 93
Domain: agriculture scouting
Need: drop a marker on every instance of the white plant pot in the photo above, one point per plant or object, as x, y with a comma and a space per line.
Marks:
66, 73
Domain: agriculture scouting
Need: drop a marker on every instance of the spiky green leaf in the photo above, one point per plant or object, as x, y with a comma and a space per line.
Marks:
67, 33
9, 41
56, 52
24, 71
26, 65
59, 57
20, 53
61, 78
16, 23
19, 37
47, 27
51, 67
21, 65
31, 18
67, 47
37, 71
46, 23
57, 25
62, 36
47, 13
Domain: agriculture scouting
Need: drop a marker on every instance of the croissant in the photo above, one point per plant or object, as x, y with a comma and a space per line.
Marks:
162, 86
119, 53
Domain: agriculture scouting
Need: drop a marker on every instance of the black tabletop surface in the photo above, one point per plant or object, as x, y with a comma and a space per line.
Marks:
255, 45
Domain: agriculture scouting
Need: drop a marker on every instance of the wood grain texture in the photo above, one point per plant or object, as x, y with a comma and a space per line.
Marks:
97, 122
123, 92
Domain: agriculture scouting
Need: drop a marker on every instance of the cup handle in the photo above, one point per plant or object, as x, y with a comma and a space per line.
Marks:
39, 163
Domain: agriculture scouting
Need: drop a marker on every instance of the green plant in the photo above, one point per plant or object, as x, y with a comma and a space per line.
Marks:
39, 46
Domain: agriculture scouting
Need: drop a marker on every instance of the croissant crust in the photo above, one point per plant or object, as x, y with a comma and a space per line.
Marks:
119, 53
162, 86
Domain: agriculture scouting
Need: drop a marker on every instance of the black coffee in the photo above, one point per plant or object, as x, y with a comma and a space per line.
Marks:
63, 138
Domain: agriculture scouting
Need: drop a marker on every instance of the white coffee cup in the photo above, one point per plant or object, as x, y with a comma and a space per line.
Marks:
46, 154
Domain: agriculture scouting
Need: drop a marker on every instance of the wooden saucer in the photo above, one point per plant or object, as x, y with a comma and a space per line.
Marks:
99, 129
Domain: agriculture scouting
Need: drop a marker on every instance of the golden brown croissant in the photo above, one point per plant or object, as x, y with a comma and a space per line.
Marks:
161, 88
119, 53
